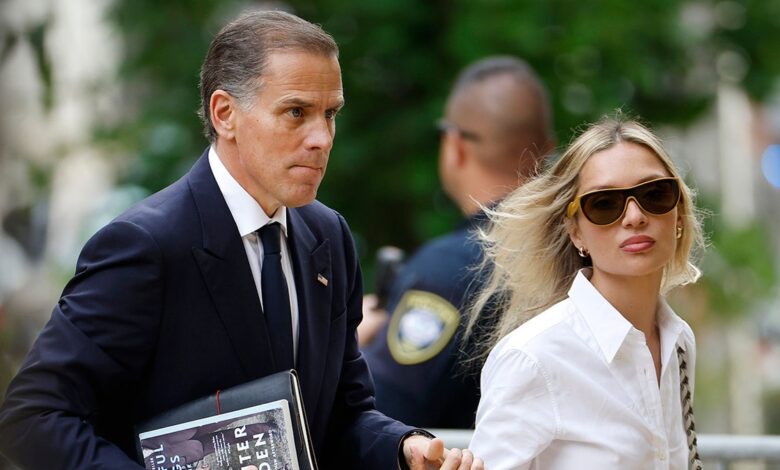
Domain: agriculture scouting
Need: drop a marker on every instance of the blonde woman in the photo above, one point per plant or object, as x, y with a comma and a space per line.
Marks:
588, 366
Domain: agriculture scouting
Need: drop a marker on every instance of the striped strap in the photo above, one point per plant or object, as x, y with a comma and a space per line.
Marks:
687, 410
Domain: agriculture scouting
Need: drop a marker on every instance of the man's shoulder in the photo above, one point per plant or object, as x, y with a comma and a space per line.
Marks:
316, 211
167, 207
161, 210
168, 219
319, 218
443, 266
448, 252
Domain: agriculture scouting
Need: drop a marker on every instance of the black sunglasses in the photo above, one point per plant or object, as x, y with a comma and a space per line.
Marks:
605, 206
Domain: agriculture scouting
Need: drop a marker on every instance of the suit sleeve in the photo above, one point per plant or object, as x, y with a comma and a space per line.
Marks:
96, 345
361, 436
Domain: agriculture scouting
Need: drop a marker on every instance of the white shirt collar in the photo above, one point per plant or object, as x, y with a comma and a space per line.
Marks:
606, 324
247, 213
610, 328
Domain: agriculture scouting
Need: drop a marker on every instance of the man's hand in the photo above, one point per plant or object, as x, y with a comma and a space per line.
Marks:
422, 453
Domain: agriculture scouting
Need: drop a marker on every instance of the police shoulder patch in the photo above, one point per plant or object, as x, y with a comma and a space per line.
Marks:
421, 326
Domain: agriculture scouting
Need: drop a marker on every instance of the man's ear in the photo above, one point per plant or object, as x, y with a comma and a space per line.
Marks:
461, 151
450, 151
223, 109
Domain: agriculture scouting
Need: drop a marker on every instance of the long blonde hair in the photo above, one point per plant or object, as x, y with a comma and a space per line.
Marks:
528, 254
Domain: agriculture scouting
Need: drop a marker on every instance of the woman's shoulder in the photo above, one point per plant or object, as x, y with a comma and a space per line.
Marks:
530, 335
675, 321
524, 357
687, 337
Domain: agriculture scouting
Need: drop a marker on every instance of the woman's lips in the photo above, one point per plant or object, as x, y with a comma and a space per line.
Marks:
637, 243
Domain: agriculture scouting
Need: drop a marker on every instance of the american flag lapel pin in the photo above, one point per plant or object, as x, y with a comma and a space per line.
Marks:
322, 279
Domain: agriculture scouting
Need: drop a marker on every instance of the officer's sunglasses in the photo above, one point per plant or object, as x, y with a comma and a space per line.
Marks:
605, 206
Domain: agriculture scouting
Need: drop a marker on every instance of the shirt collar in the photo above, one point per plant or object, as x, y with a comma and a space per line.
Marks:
246, 212
610, 328
606, 324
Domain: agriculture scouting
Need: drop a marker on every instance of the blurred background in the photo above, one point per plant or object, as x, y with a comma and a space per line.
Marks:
99, 102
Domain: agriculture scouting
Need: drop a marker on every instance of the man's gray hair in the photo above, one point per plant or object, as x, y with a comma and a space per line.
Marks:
238, 55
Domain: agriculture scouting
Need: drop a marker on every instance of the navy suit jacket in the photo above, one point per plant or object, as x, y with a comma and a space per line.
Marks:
163, 309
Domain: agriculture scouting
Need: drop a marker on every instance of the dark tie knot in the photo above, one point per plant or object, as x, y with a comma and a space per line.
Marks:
271, 238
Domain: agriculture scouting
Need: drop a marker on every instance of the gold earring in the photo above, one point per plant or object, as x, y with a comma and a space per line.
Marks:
679, 231
582, 252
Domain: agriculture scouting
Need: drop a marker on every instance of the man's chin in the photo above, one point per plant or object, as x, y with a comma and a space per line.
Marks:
301, 200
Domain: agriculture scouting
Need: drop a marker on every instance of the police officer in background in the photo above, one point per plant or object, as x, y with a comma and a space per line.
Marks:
496, 131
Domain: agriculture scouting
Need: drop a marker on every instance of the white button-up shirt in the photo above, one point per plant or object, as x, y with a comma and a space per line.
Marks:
249, 217
575, 388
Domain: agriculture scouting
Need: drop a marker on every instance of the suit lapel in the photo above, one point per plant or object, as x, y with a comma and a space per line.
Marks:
312, 266
225, 269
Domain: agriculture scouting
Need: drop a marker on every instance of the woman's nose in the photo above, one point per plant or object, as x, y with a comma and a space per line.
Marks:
634, 214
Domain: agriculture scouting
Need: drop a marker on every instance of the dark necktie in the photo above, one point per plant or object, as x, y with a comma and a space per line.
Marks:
276, 300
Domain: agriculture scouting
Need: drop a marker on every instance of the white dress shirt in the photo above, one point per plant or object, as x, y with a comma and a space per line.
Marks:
249, 217
575, 388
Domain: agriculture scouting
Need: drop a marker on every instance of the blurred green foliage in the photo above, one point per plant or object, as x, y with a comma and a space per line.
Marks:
739, 267
771, 404
659, 59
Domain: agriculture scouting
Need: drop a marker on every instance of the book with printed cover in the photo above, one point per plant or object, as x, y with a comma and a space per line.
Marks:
248, 439
259, 425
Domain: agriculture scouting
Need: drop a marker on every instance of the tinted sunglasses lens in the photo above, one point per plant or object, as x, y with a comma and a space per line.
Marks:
603, 207
658, 197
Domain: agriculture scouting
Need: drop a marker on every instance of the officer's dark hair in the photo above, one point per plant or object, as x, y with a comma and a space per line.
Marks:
490, 66
238, 55
494, 66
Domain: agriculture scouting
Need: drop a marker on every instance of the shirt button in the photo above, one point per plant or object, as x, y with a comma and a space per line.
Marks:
661, 455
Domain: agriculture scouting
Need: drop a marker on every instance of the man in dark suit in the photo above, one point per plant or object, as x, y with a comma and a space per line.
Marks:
231, 273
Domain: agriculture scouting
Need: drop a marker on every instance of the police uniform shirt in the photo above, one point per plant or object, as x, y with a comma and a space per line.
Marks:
415, 358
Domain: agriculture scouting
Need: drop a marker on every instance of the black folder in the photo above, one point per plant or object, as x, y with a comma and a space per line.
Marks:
279, 386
